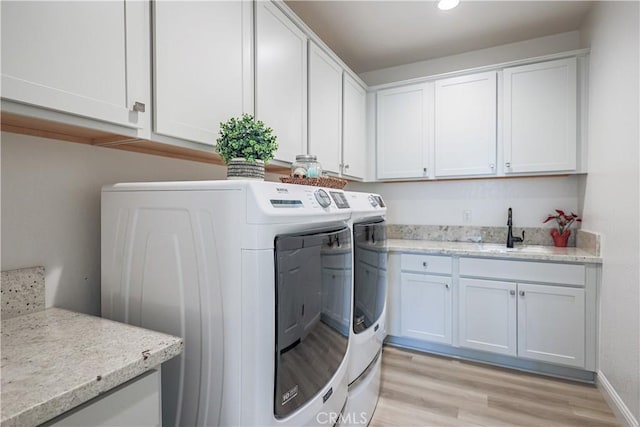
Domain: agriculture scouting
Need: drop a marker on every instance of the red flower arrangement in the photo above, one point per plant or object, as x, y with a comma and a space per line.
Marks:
562, 233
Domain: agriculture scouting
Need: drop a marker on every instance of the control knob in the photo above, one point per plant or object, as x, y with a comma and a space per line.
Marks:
323, 198
372, 201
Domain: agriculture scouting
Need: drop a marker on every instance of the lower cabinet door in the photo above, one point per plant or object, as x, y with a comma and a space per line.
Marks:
487, 316
134, 403
551, 324
425, 307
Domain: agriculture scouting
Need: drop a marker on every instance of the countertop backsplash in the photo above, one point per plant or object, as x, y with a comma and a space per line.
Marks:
456, 233
22, 291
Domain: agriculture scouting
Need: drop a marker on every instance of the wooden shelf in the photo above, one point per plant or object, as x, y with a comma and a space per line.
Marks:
14, 123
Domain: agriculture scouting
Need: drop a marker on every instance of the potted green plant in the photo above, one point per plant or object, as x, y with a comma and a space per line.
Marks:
561, 234
246, 145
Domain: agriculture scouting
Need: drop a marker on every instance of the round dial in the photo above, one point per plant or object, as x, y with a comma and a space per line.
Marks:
372, 201
323, 198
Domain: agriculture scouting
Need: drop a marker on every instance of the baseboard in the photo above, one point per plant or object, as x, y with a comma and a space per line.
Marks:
618, 407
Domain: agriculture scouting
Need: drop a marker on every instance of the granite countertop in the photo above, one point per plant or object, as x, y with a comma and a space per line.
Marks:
55, 360
494, 250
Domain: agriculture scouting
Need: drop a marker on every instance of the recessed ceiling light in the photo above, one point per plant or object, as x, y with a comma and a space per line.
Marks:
447, 4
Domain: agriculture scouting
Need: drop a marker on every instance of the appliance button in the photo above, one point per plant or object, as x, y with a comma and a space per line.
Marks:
372, 201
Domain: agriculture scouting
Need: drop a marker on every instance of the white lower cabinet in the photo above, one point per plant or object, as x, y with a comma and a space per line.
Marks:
426, 307
527, 310
135, 403
532, 321
487, 316
551, 324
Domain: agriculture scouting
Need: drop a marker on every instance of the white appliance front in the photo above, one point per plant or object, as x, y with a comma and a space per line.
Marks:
196, 260
369, 311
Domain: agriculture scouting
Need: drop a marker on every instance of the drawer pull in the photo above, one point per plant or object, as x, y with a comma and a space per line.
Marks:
424, 264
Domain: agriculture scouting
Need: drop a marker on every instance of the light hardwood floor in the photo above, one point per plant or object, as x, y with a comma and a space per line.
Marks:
426, 390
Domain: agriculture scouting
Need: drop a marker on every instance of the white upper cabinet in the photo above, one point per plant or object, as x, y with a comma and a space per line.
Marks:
404, 125
202, 67
465, 125
88, 59
354, 138
281, 79
325, 109
540, 107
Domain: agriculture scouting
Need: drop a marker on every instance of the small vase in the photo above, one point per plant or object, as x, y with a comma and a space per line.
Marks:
240, 168
560, 240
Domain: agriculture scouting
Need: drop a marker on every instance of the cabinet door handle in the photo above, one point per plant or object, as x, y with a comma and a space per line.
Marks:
446, 285
424, 264
492, 165
521, 293
138, 106
512, 292
424, 170
508, 164
346, 166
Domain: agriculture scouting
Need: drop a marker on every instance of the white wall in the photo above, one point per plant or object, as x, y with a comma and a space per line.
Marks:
611, 190
51, 208
478, 58
443, 203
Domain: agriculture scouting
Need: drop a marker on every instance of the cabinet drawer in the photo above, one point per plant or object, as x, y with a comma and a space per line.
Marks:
426, 263
570, 274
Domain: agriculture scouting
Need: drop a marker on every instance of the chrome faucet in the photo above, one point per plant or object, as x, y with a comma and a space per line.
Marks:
510, 238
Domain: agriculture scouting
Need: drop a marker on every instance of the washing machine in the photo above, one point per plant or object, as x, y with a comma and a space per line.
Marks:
254, 276
368, 212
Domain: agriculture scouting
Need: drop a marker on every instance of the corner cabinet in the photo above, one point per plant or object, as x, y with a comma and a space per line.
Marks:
88, 59
281, 79
465, 125
404, 122
540, 109
202, 67
325, 109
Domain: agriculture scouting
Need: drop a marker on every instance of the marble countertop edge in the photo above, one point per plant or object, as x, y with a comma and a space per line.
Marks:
16, 414
494, 250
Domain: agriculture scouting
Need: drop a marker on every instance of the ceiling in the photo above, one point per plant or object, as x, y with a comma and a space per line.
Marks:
369, 35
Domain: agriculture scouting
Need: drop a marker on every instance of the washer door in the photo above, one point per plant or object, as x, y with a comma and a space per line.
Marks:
370, 273
313, 310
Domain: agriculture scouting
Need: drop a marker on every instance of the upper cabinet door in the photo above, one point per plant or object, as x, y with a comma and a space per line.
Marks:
85, 58
281, 79
540, 106
202, 67
325, 108
465, 125
404, 121
354, 138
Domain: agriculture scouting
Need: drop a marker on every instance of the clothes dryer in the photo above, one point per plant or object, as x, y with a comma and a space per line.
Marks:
254, 276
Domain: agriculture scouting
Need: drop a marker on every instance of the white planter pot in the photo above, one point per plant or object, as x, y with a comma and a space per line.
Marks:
240, 168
